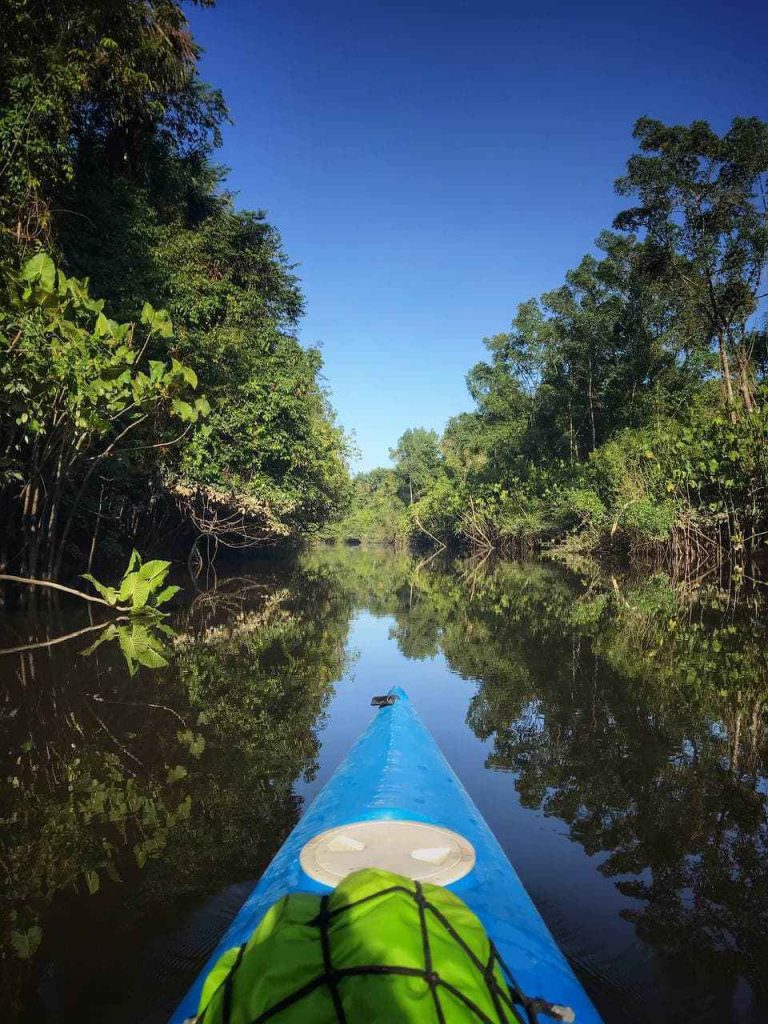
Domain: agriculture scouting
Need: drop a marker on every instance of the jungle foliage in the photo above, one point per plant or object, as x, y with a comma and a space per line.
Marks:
130, 792
627, 405
195, 410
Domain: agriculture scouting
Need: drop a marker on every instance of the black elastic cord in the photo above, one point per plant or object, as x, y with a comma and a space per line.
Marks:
433, 979
330, 974
493, 984
490, 981
365, 899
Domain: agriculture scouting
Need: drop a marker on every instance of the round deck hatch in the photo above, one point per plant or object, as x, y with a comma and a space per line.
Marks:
426, 853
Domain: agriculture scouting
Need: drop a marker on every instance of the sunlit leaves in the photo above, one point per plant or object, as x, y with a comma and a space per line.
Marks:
110, 594
141, 586
78, 383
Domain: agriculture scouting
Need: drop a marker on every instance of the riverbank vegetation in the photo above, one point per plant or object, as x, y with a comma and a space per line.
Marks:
627, 406
151, 382
630, 708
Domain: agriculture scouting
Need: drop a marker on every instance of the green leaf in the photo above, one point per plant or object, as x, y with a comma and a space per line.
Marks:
150, 658
184, 410
108, 634
25, 944
156, 370
153, 569
163, 324
203, 406
135, 588
40, 270
165, 595
128, 647
109, 594
140, 647
177, 774
197, 746
92, 881
102, 327
133, 561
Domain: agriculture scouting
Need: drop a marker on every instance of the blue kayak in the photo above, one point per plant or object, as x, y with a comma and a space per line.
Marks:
397, 774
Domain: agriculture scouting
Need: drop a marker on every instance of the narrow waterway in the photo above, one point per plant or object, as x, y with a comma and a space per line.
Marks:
612, 731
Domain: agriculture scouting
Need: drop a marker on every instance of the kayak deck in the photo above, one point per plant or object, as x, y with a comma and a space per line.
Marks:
396, 771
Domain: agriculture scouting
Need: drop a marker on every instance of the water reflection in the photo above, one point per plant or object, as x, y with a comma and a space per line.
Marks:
636, 717
186, 771
631, 710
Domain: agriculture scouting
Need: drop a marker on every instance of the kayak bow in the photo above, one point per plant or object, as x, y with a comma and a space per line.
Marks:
396, 774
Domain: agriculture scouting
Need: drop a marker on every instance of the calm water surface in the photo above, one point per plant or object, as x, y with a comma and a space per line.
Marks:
613, 733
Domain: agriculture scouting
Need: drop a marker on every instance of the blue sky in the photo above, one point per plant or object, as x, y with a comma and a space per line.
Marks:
431, 165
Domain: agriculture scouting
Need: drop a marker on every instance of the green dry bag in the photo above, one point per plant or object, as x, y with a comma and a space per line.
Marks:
379, 949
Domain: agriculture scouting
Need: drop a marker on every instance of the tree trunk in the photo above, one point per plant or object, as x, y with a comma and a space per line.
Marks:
92, 552
745, 384
33, 519
592, 409
725, 371
53, 519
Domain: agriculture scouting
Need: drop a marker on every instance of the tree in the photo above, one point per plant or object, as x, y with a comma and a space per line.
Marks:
77, 389
118, 77
106, 142
703, 203
418, 462
271, 435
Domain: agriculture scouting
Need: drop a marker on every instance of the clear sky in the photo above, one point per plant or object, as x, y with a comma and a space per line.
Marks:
431, 165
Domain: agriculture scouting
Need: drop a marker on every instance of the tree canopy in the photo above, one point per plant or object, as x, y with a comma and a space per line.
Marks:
627, 406
107, 137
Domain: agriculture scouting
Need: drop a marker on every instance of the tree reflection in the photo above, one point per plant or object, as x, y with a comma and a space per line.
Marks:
637, 718
633, 711
172, 782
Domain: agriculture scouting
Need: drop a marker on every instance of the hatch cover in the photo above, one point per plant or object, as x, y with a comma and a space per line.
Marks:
426, 853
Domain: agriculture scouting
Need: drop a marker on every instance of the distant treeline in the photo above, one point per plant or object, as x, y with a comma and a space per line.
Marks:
168, 398
628, 405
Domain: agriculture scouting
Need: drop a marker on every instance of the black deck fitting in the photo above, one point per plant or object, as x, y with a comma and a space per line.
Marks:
384, 701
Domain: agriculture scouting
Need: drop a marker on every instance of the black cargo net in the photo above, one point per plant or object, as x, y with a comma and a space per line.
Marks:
511, 1005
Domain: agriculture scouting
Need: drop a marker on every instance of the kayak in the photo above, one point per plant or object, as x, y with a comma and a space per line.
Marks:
396, 803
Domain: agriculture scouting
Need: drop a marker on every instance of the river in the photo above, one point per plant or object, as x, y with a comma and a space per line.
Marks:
611, 730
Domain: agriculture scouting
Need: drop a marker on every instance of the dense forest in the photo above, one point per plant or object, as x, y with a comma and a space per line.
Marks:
626, 407
152, 387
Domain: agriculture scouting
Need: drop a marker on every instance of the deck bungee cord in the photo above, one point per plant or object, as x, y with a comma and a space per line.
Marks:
391, 900
466, 979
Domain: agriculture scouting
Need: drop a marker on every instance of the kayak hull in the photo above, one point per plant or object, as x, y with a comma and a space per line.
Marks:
397, 771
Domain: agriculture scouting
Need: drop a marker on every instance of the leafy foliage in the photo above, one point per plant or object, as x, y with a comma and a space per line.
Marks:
77, 389
152, 789
106, 143
418, 463
627, 405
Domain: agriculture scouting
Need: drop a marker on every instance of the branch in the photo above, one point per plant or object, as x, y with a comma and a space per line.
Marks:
56, 640
58, 586
160, 444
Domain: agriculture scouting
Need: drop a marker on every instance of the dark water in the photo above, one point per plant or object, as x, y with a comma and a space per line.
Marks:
613, 733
